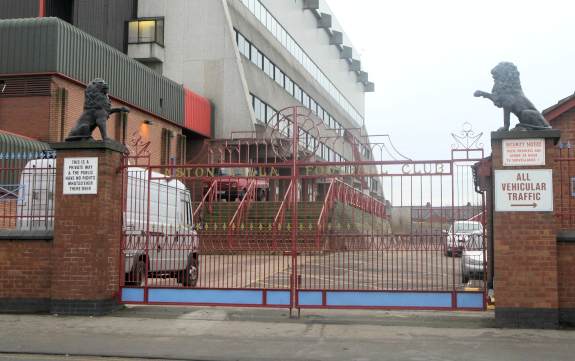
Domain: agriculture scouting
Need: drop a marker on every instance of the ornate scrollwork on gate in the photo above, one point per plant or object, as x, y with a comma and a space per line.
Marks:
282, 134
466, 138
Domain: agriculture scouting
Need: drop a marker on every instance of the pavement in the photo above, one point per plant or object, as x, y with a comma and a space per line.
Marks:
202, 333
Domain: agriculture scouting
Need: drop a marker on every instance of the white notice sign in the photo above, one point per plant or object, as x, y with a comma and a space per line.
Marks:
81, 175
524, 190
521, 152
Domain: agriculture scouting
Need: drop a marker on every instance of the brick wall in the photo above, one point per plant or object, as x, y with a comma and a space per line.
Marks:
29, 116
50, 118
566, 268
25, 267
87, 230
7, 213
525, 246
566, 124
135, 125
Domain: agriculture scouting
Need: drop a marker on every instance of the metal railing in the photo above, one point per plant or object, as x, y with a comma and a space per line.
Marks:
240, 214
27, 185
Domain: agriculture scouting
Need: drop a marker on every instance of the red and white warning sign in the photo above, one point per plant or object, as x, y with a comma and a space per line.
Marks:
524, 190
521, 152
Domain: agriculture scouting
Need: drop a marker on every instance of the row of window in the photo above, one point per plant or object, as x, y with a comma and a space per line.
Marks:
287, 41
247, 49
265, 112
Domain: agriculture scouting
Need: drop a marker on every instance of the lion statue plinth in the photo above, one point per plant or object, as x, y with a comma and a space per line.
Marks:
507, 94
97, 110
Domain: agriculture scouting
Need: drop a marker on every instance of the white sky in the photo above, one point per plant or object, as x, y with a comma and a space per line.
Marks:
428, 57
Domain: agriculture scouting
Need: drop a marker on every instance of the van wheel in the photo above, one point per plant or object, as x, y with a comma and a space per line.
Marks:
137, 275
189, 276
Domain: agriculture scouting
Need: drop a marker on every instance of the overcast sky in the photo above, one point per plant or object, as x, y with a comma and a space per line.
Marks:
428, 57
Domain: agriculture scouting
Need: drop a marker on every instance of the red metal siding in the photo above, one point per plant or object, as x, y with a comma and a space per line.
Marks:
198, 113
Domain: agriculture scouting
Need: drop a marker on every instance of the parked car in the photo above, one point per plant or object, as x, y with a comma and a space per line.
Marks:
233, 183
168, 247
463, 235
472, 266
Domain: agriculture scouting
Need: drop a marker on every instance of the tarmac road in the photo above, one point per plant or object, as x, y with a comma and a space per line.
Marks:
254, 334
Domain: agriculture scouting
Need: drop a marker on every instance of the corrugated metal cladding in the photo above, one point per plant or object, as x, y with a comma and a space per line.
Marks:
12, 9
15, 152
13, 143
198, 114
52, 45
105, 19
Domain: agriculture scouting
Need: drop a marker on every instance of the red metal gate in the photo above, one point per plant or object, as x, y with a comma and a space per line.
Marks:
253, 225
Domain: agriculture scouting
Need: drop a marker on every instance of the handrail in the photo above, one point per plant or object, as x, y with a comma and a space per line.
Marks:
207, 199
280, 215
241, 212
324, 215
360, 200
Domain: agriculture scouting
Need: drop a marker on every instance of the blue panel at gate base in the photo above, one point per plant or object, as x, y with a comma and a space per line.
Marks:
309, 298
389, 299
470, 300
243, 297
278, 297
132, 295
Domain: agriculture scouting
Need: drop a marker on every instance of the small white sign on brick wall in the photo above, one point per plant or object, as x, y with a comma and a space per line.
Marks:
81, 175
524, 190
522, 152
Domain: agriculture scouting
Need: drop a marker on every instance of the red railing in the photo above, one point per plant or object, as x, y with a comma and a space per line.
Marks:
242, 211
207, 201
343, 192
354, 197
279, 219
324, 215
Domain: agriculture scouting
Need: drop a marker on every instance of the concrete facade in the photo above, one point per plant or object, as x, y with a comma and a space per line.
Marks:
200, 52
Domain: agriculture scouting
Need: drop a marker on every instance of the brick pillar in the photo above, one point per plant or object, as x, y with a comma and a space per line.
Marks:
87, 230
526, 278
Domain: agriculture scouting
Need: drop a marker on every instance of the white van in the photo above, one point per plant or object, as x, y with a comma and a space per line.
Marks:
167, 245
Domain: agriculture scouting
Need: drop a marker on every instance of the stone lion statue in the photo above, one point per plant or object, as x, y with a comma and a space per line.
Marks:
97, 109
507, 94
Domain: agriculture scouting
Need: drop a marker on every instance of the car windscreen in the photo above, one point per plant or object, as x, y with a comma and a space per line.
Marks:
467, 227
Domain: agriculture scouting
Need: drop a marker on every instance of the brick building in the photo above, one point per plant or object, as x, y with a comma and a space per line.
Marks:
43, 78
562, 116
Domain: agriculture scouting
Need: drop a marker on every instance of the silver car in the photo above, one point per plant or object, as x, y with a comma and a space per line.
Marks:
463, 235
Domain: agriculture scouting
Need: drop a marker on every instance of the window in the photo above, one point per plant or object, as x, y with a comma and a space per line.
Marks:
313, 105
285, 39
269, 113
288, 85
243, 45
146, 30
297, 93
166, 146
305, 99
256, 57
279, 77
181, 149
268, 67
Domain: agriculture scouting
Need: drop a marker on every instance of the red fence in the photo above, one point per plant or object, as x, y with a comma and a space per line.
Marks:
274, 231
